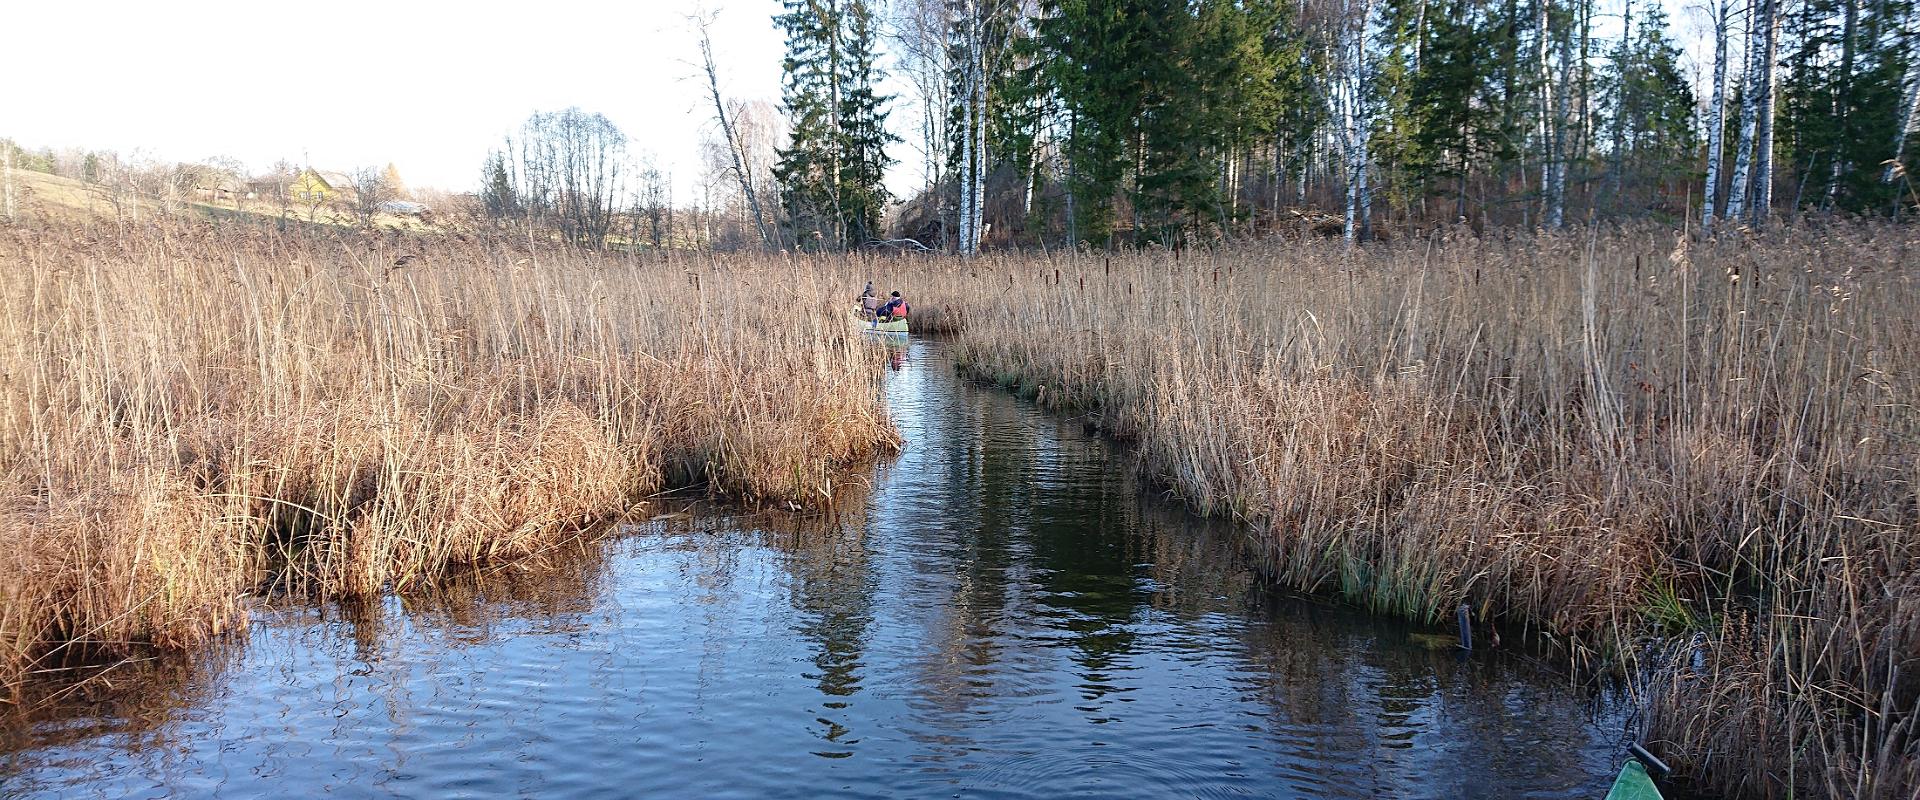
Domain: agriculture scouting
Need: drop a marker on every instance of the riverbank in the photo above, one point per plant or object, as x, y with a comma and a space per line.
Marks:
192, 414
1652, 451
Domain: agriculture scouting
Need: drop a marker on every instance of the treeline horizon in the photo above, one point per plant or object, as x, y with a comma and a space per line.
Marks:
1134, 122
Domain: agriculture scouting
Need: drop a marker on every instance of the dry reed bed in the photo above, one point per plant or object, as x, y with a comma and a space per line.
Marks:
1692, 455
189, 415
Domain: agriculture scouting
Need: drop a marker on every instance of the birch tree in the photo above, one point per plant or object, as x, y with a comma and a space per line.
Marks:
1721, 11
1352, 107
1740, 192
1909, 115
971, 57
1769, 29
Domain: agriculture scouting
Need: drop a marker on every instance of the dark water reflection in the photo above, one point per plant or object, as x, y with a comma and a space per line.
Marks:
1000, 614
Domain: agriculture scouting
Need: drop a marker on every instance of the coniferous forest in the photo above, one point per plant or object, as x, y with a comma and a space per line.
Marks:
1137, 121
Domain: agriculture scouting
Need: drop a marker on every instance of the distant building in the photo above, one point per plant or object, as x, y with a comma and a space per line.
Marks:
220, 190
314, 186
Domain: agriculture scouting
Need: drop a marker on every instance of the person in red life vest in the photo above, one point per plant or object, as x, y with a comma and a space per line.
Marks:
895, 308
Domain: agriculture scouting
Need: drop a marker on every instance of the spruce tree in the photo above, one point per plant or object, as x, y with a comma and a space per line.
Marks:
807, 170
863, 135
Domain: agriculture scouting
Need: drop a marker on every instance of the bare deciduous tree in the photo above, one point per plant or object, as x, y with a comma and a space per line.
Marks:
371, 190
569, 173
736, 150
920, 35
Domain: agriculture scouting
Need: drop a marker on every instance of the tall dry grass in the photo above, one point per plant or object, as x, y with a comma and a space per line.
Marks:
189, 415
1696, 460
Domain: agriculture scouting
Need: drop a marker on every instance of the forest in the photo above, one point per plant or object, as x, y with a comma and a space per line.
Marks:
1104, 123
1108, 123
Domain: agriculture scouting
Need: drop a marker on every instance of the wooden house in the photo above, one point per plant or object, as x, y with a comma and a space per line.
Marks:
314, 186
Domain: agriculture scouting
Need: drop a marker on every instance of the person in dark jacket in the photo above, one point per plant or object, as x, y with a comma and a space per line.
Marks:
895, 308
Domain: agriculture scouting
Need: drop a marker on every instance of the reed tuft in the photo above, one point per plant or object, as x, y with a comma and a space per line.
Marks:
190, 414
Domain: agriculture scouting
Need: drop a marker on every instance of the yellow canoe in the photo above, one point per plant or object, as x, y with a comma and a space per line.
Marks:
898, 326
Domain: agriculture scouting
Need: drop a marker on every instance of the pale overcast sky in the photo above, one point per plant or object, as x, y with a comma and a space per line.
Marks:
346, 83
428, 86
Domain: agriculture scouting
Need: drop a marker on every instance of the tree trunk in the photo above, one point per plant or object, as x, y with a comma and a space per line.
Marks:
1544, 127
830, 19
1556, 211
980, 135
1716, 118
1620, 107
1073, 177
1353, 106
1909, 118
969, 240
973, 144
1741, 191
1841, 106
734, 145
1763, 127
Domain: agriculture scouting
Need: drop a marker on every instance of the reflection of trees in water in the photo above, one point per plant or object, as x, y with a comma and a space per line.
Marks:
833, 589
826, 560
1397, 709
1196, 566
137, 700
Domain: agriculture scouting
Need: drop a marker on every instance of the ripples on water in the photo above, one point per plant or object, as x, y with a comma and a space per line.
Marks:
1000, 614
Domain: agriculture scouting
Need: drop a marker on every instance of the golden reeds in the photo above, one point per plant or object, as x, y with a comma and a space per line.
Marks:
1625, 440
1695, 461
190, 414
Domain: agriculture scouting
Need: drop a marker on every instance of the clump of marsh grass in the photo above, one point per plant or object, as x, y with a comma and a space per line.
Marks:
1617, 439
190, 414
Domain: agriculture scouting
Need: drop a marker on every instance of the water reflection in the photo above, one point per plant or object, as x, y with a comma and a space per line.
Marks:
998, 613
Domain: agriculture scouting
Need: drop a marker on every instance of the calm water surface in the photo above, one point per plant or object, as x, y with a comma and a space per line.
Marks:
1002, 613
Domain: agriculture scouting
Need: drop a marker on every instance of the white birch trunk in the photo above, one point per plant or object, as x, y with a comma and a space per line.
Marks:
1763, 126
973, 146
980, 135
1353, 116
969, 240
1349, 147
1716, 118
1543, 128
1910, 118
1749, 114
964, 179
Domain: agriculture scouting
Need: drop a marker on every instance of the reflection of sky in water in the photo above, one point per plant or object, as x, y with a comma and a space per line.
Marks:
1002, 614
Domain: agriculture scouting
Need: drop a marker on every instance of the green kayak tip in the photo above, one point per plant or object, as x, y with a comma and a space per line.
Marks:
1634, 784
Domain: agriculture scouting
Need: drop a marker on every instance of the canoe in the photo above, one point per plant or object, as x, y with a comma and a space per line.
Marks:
897, 327
1633, 784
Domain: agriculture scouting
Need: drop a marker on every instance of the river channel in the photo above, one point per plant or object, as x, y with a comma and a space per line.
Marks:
1003, 612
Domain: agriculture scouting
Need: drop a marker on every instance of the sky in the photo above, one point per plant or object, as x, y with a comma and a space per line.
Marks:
427, 86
